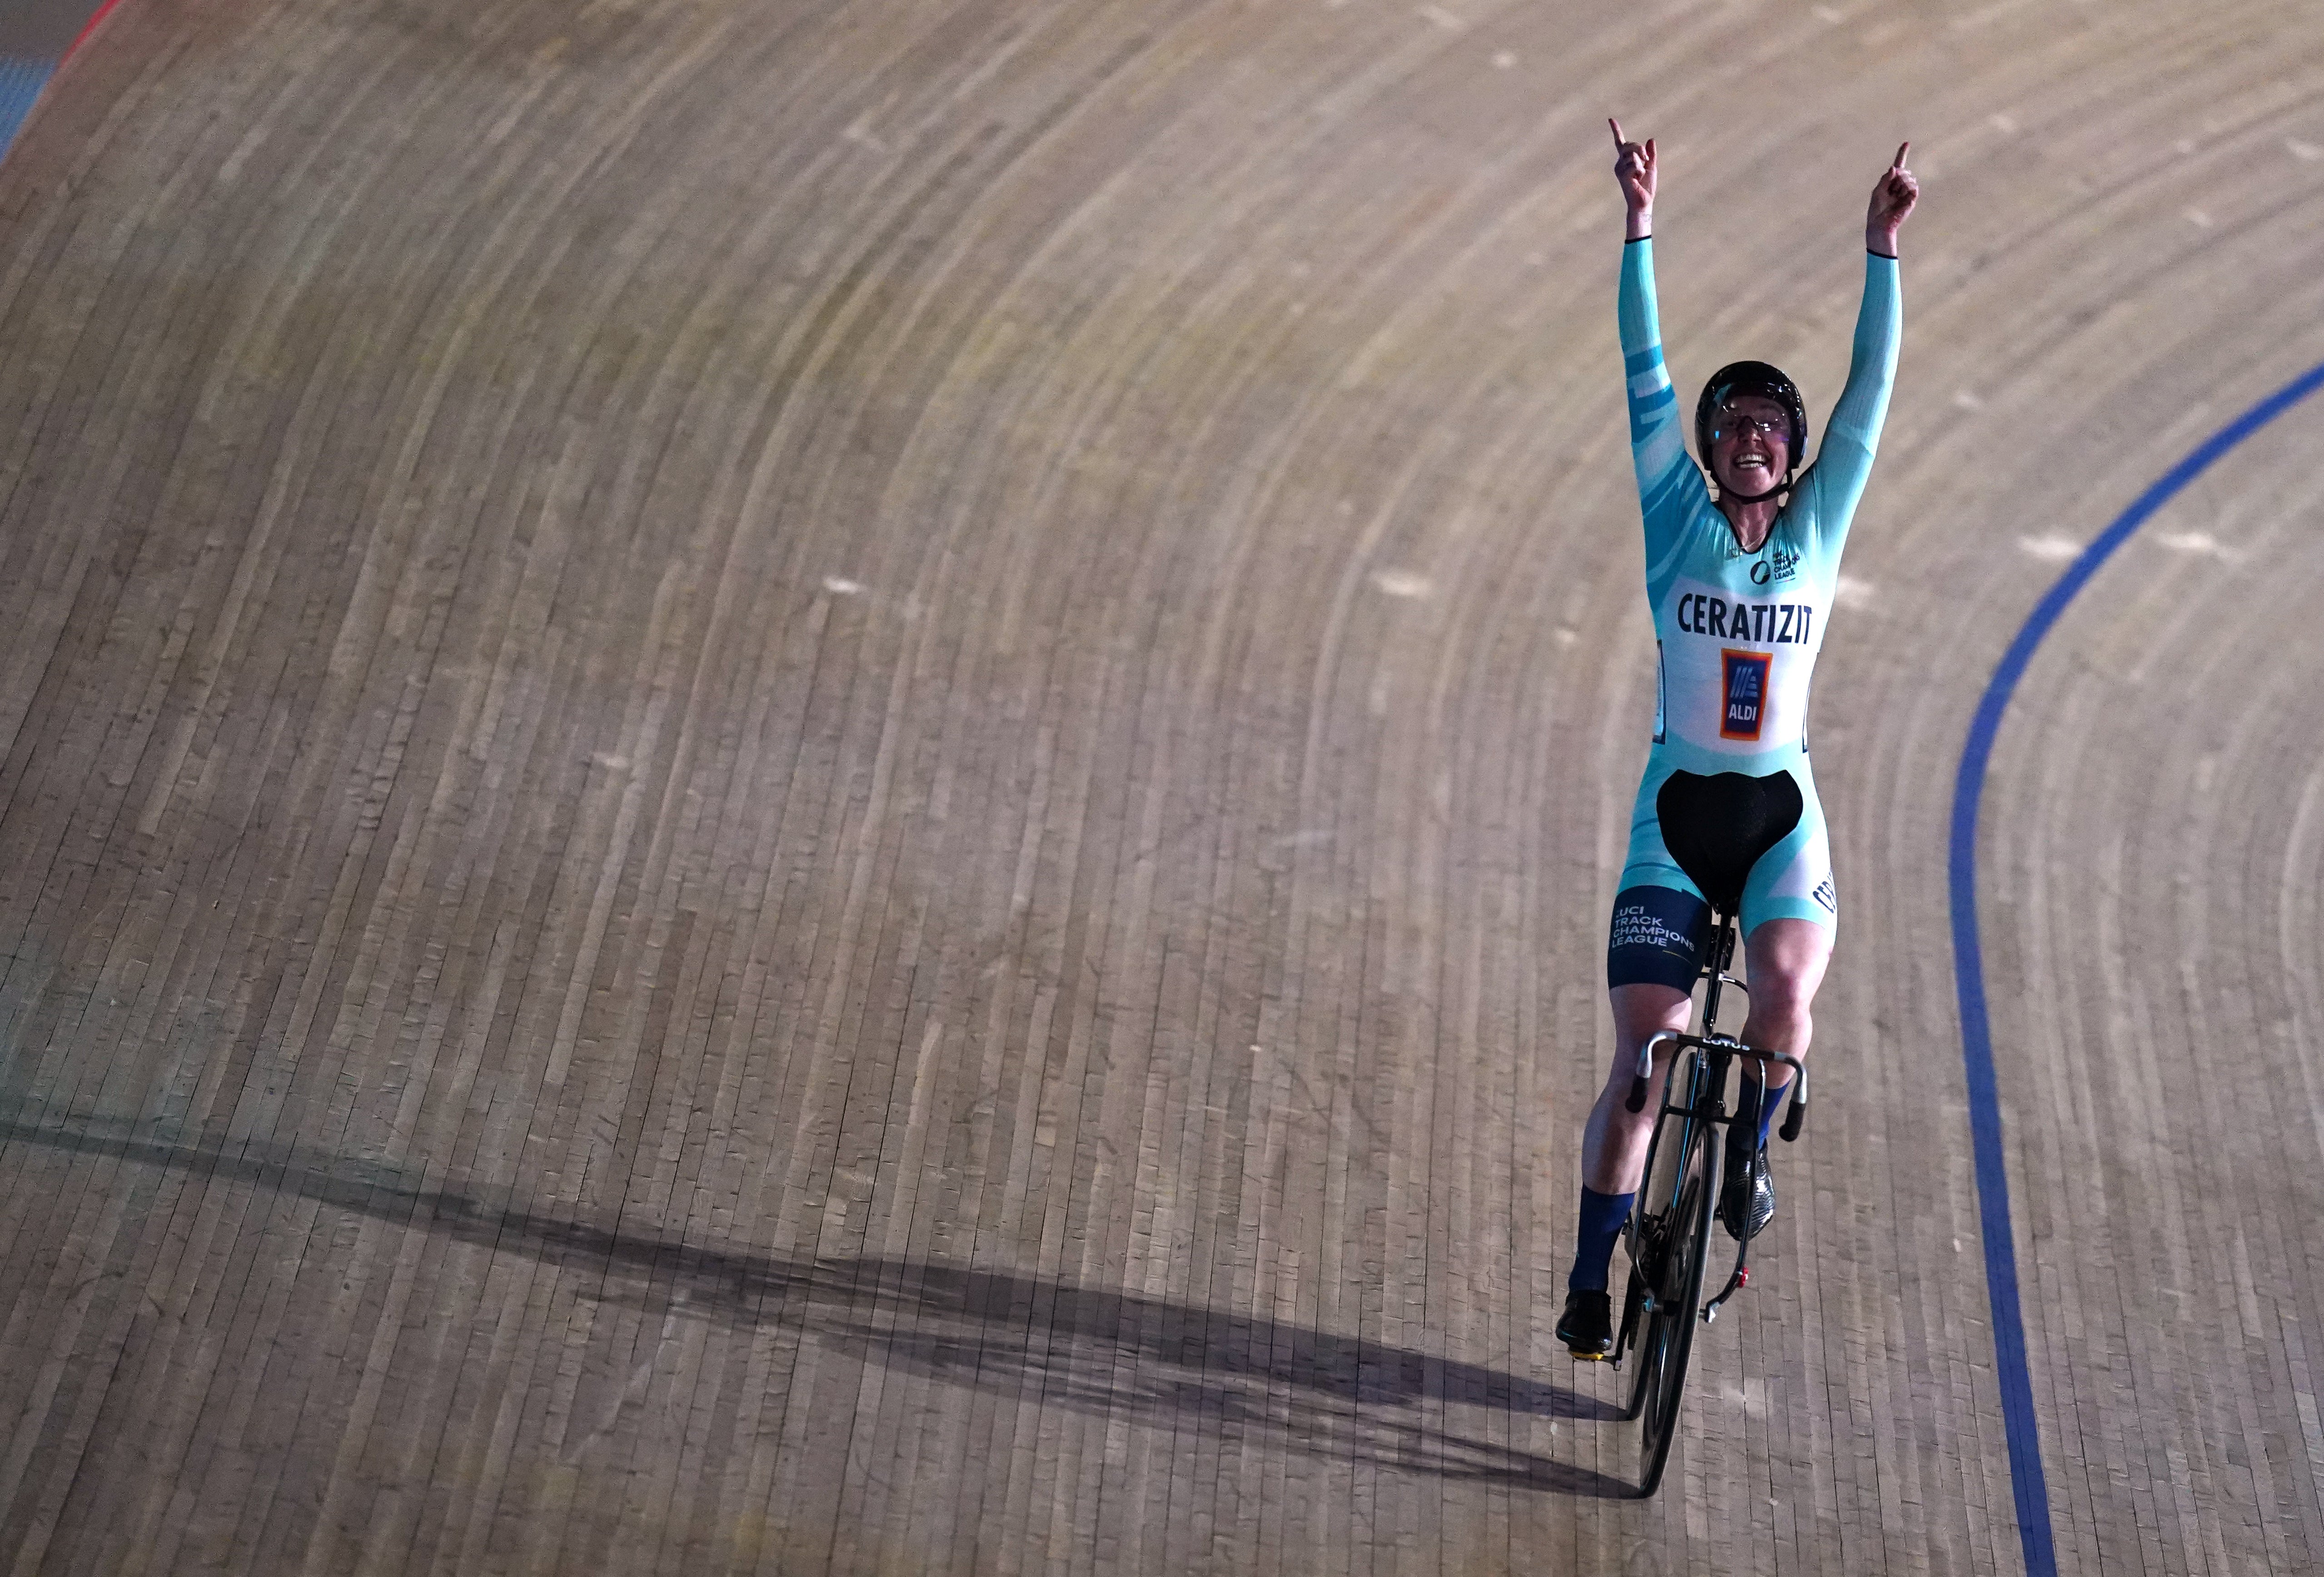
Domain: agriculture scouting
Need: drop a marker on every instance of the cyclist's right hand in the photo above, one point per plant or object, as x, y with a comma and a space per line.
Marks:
1634, 168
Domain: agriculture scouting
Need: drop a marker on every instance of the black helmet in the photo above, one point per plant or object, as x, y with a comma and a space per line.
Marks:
1751, 378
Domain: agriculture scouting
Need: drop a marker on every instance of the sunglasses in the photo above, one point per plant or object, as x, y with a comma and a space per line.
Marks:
1724, 424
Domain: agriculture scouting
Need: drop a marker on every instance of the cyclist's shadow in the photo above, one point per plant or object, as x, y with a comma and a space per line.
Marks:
1123, 1355
1115, 1355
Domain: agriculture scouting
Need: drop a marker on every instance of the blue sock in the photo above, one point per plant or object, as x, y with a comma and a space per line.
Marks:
1602, 1215
1770, 1102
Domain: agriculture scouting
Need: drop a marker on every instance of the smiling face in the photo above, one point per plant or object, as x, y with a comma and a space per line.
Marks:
1750, 443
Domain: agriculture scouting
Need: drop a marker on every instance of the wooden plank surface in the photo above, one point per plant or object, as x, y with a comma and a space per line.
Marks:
831, 788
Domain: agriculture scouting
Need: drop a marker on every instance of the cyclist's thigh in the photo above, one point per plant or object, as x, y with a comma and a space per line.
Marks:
1657, 933
1647, 861
1793, 881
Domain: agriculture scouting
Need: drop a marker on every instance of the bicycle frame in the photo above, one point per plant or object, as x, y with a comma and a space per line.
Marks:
1706, 1056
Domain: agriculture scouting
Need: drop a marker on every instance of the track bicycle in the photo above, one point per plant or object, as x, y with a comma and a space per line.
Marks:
1668, 1233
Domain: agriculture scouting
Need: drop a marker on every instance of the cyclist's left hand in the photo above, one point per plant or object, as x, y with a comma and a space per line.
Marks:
1892, 200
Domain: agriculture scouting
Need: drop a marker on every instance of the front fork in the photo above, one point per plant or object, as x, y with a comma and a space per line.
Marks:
1735, 1283
1706, 1103
1749, 1120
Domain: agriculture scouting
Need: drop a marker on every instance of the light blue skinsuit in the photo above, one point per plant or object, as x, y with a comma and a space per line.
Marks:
1737, 633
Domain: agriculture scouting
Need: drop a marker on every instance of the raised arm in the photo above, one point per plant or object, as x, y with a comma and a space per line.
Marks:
1844, 460
1657, 441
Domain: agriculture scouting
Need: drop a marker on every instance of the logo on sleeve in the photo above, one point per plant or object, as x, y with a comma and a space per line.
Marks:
1747, 693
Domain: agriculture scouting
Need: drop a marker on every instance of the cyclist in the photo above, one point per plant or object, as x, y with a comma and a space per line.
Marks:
1740, 567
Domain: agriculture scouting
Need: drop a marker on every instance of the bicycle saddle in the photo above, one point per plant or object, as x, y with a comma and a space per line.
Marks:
1717, 827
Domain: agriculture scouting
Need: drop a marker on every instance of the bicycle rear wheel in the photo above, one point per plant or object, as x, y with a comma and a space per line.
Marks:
1674, 1277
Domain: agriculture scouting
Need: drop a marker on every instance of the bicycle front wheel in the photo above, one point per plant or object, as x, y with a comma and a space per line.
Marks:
1675, 1285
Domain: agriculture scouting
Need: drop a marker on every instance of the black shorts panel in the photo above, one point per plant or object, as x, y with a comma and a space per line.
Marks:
1716, 828
1657, 938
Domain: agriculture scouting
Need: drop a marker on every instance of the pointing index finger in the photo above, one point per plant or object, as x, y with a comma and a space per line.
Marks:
1902, 150
1618, 130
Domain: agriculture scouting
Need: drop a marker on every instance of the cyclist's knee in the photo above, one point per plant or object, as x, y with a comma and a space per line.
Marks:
1780, 1016
1786, 960
1786, 1032
1614, 1099
1786, 997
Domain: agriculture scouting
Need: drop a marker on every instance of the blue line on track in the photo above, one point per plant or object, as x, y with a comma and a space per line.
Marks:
1969, 968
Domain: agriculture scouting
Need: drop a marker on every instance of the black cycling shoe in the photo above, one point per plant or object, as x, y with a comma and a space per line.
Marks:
1587, 1325
1751, 1191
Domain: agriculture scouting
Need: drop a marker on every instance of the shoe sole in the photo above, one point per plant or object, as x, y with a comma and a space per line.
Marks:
1590, 1354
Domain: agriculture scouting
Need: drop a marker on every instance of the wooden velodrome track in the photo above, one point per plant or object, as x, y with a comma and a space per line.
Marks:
832, 787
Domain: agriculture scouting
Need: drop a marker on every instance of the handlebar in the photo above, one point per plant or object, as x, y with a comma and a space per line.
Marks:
1638, 1101
1793, 1121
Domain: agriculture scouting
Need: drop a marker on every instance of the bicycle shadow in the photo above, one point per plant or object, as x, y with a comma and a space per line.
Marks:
1115, 1354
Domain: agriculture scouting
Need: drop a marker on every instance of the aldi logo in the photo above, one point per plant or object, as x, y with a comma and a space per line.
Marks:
1747, 694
